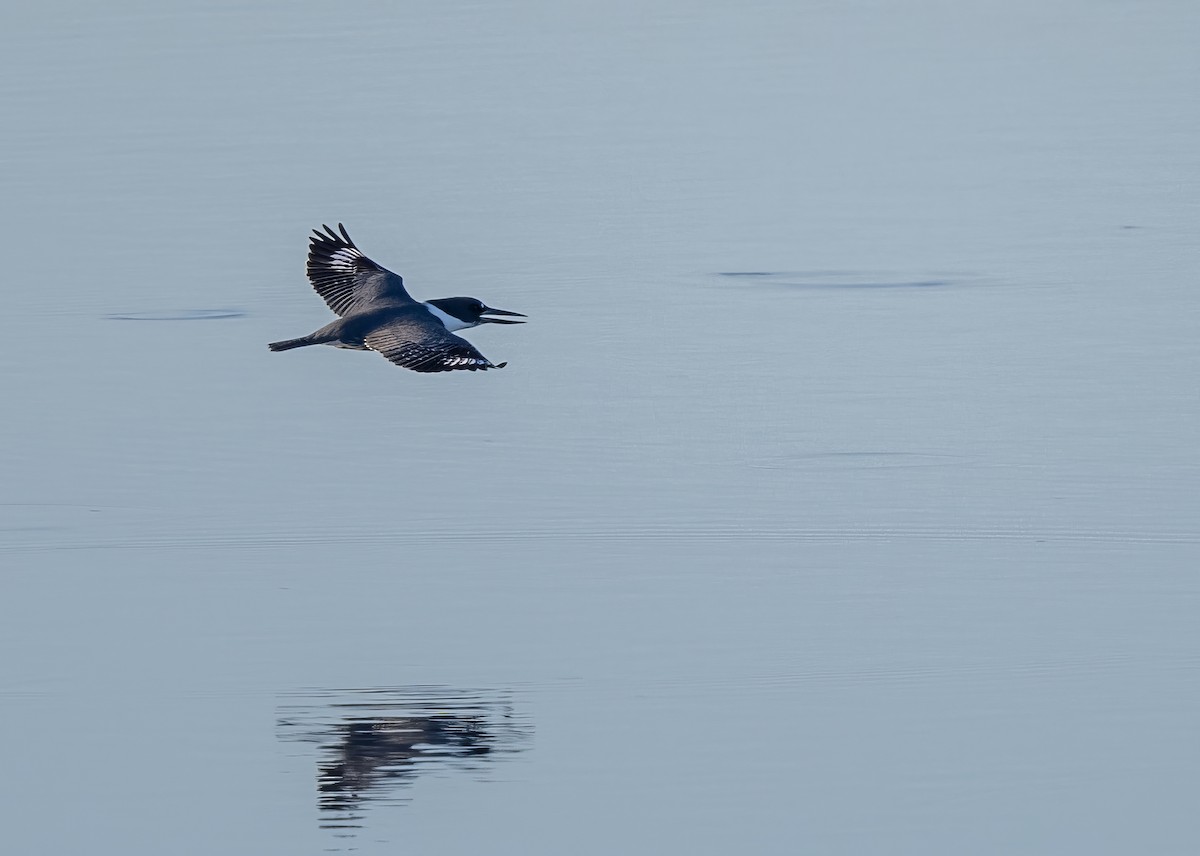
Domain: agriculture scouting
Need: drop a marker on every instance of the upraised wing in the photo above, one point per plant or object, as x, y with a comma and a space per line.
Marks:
345, 278
413, 343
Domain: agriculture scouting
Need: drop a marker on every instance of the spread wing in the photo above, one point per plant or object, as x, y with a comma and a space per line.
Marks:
344, 277
416, 344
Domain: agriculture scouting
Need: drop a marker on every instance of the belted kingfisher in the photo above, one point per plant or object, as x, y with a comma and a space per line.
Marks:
378, 314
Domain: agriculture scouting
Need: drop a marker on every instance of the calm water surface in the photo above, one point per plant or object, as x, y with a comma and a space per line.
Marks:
841, 495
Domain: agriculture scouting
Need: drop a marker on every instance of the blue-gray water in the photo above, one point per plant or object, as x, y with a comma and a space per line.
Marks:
841, 496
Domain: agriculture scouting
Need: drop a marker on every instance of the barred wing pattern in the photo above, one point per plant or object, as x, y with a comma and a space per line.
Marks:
344, 277
427, 348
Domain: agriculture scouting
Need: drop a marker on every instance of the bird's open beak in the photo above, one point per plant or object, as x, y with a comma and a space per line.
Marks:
487, 310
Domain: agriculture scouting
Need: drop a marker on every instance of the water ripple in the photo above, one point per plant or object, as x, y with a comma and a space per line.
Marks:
178, 315
846, 280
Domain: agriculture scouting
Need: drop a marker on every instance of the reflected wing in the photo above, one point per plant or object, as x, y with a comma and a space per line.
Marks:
344, 277
423, 347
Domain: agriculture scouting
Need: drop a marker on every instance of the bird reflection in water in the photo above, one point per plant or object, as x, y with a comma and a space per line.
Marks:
376, 742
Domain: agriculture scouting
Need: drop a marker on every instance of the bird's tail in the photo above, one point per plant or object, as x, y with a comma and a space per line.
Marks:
288, 344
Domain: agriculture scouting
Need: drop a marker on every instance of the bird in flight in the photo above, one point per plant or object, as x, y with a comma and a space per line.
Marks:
376, 313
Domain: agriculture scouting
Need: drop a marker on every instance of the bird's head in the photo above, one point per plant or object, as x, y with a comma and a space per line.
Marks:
472, 312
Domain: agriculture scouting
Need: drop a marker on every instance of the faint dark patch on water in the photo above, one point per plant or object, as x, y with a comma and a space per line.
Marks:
180, 315
858, 461
848, 280
30, 524
374, 743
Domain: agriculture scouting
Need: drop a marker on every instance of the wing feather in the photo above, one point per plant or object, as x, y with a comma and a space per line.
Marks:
344, 277
424, 347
